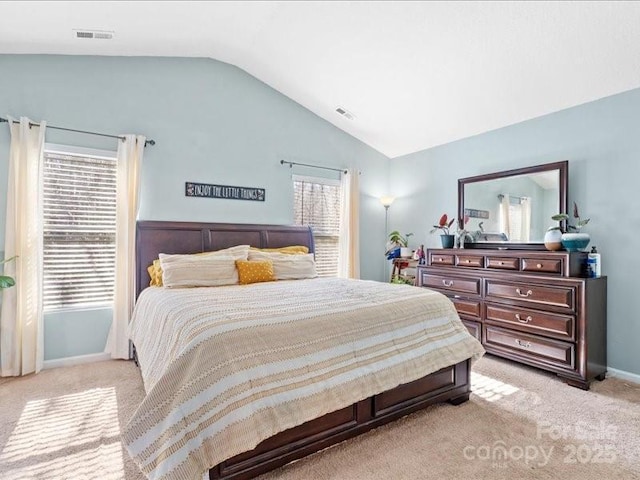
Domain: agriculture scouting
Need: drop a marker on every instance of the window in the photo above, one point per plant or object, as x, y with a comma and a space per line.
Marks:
317, 203
79, 227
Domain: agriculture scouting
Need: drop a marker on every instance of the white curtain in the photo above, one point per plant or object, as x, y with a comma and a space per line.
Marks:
349, 246
504, 215
525, 205
21, 325
130, 152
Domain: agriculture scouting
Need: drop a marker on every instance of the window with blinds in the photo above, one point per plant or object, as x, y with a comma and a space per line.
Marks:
79, 209
317, 203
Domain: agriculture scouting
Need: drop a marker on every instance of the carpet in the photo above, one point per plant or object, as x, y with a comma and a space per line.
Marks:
521, 423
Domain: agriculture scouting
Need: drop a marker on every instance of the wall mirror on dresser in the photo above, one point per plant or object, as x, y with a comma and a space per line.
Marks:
513, 208
521, 301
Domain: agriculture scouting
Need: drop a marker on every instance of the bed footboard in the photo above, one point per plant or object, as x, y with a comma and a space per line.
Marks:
450, 384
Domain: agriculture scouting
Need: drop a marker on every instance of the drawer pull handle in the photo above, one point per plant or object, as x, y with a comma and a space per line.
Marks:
466, 261
447, 284
523, 344
525, 320
519, 292
500, 263
539, 265
440, 259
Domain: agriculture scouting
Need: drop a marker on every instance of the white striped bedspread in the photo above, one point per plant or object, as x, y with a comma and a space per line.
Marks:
227, 367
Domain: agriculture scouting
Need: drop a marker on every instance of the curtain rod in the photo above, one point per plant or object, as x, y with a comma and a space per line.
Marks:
291, 164
31, 124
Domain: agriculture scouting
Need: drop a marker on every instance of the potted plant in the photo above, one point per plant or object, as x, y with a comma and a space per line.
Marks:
573, 240
6, 281
397, 240
446, 238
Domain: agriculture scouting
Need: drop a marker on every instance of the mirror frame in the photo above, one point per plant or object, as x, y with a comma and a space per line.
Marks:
563, 172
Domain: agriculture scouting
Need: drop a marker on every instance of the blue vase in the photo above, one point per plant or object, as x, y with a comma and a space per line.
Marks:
575, 242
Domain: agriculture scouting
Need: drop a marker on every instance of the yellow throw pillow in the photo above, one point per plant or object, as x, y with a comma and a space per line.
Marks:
155, 273
255, 271
291, 250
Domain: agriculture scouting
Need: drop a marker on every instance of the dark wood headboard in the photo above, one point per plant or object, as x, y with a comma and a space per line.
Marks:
155, 237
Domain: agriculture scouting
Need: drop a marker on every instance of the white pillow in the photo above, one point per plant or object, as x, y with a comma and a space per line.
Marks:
198, 270
287, 266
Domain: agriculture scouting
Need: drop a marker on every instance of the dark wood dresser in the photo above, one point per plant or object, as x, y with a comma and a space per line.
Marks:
529, 306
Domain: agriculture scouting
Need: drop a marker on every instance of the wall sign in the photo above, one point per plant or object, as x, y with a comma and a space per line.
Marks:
473, 213
192, 189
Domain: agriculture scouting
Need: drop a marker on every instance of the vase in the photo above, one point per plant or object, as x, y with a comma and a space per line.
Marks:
405, 252
553, 239
447, 240
575, 242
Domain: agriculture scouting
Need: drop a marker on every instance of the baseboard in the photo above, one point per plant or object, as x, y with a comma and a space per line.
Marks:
623, 375
69, 361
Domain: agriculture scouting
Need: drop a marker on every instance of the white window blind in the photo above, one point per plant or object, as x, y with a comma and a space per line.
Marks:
79, 210
317, 203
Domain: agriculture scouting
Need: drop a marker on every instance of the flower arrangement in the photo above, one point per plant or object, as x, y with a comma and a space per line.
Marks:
579, 223
443, 224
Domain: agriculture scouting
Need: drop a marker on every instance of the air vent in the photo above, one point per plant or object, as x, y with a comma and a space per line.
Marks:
345, 113
93, 34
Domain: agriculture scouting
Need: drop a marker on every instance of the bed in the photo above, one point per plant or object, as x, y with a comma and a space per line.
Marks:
173, 436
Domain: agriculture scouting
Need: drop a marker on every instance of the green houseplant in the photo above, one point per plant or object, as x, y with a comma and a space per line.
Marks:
573, 240
444, 224
396, 239
6, 281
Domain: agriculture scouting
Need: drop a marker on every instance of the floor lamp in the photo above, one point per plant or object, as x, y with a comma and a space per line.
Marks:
386, 203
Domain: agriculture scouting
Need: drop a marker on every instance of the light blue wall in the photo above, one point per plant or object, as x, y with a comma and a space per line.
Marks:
213, 123
601, 140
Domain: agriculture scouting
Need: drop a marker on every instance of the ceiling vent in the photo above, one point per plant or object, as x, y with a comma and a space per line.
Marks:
93, 34
345, 113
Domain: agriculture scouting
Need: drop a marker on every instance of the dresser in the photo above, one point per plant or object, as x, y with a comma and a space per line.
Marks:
532, 307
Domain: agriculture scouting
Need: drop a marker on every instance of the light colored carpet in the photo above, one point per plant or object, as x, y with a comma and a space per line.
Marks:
520, 423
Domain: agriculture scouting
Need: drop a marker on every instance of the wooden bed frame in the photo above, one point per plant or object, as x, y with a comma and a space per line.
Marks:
450, 384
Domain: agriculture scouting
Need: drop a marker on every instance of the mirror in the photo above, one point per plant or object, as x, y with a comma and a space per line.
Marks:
512, 209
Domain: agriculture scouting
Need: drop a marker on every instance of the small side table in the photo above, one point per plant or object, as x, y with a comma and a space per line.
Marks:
402, 264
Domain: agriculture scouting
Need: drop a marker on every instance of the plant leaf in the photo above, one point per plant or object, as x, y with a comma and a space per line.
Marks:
560, 217
6, 282
575, 210
443, 220
450, 223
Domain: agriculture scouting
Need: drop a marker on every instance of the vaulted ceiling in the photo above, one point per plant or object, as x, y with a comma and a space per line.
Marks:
413, 74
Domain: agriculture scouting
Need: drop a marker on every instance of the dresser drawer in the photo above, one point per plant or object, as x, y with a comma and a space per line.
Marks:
476, 261
503, 263
469, 308
538, 265
533, 321
531, 347
474, 328
536, 294
451, 283
442, 259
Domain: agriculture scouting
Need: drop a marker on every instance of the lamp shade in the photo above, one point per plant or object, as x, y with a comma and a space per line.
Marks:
387, 200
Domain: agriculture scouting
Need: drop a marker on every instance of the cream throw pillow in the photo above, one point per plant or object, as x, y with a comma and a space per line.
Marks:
209, 269
287, 266
213, 271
